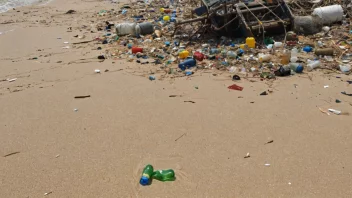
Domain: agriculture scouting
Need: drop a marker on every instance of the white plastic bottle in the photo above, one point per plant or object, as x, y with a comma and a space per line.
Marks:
313, 64
294, 54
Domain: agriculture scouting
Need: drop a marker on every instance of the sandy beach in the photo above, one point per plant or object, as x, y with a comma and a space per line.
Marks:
98, 146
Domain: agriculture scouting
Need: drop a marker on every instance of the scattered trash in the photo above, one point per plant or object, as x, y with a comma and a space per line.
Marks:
337, 112
48, 193
345, 68
97, 71
101, 57
338, 101
58, 155
71, 12
247, 156
344, 93
180, 137
173, 96
162, 175
14, 153
269, 142
236, 77
11, 80
267, 165
326, 86
324, 52
146, 175
235, 87
264, 93
79, 97
151, 78
75, 110
190, 101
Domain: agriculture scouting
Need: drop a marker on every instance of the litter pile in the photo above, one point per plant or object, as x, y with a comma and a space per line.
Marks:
257, 38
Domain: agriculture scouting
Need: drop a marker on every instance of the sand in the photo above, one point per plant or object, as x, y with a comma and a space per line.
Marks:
129, 121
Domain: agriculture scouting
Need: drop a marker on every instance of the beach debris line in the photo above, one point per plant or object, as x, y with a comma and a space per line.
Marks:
83, 96
187, 38
162, 175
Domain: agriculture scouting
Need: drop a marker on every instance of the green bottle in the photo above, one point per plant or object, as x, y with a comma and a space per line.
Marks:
146, 175
164, 175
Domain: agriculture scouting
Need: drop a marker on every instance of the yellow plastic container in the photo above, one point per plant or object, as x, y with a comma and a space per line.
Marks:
162, 10
183, 54
166, 18
243, 46
250, 41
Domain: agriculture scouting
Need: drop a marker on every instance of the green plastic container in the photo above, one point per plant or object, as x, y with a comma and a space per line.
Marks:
146, 175
164, 175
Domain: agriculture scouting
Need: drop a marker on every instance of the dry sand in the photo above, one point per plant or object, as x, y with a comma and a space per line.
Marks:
129, 121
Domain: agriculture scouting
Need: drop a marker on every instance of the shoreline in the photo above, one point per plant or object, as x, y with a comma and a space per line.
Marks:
27, 5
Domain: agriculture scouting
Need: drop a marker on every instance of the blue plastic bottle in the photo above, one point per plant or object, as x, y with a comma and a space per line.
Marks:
214, 51
188, 63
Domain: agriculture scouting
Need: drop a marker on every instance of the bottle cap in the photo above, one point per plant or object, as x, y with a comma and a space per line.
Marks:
299, 69
144, 181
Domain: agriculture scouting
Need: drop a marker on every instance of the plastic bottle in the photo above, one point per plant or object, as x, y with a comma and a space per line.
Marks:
136, 50
296, 67
198, 56
345, 68
278, 44
183, 54
250, 41
231, 54
146, 175
325, 52
164, 175
214, 51
224, 53
285, 57
313, 64
294, 54
264, 57
187, 64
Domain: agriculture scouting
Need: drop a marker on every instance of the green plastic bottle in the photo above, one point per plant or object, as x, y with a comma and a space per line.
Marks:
146, 175
164, 175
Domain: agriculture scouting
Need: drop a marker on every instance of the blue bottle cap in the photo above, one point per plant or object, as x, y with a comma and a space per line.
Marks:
144, 181
299, 69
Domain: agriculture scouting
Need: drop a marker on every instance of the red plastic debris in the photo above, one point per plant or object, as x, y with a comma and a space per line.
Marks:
235, 87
